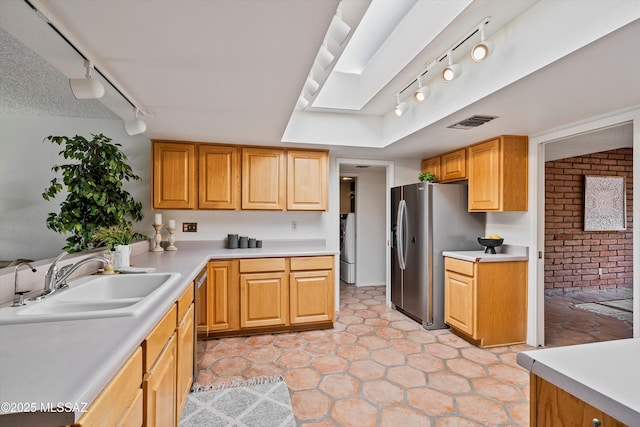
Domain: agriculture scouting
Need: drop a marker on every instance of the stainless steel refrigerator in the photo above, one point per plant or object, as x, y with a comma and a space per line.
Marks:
427, 219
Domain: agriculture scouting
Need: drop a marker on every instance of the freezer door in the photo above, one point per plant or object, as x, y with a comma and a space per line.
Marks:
396, 271
416, 280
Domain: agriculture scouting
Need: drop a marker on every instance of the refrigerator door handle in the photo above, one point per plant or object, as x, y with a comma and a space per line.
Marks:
401, 221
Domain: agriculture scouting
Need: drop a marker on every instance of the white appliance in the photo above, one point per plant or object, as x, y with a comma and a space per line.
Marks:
348, 248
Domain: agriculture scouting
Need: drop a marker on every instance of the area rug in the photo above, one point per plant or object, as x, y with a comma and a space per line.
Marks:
258, 402
620, 309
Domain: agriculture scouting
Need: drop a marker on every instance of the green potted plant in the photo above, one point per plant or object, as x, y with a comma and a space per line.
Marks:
94, 181
427, 177
118, 239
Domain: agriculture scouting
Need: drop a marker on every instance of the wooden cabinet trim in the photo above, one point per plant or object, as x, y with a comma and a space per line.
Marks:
185, 301
257, 265
157, 339
311, 263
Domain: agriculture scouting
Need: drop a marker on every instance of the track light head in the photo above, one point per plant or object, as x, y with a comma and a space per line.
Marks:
422, 93
87, 88
302, 103
451, 71
311, 86
325, 57
135, 126
401, 107
482, 50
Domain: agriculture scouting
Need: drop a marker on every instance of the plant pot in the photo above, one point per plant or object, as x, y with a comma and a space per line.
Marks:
122, 257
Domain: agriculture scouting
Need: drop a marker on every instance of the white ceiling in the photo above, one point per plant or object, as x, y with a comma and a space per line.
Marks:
232, 70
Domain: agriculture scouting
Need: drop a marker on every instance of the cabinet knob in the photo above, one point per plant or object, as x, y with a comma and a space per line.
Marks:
596, 422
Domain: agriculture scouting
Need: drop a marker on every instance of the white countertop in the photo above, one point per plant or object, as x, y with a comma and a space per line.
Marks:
503, 253
606, 375
72, 361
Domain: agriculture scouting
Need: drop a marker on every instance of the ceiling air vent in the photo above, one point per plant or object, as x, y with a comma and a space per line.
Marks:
472, 122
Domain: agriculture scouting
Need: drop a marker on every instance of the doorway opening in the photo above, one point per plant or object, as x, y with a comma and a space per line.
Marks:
364, 221
588, 275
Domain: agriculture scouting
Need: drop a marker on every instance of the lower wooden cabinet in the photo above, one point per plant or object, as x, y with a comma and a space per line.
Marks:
264, 293
486, 302
159, 387
260, 294
219, 298
311, 289
152, 386
185, 336
120, 403
553, 406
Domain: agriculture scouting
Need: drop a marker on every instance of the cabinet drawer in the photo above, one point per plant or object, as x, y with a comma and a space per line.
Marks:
184, 302
157, 339
258, 265
118, 399
459, 266
312, 263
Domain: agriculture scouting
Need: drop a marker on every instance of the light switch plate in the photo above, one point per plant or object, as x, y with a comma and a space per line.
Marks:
189, 227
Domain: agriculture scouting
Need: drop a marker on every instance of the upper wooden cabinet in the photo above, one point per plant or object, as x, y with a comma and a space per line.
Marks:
263, 179
189, 175
432, 165
307, 180
498, 177
219, 177
174, 176
453, 166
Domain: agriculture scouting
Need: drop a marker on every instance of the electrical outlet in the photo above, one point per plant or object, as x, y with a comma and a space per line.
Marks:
599, 272
189, 227
294, 225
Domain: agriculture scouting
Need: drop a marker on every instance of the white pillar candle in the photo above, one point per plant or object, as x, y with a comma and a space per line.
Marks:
158, 219
172, 223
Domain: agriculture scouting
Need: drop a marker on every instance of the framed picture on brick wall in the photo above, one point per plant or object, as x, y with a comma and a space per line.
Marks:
605, 203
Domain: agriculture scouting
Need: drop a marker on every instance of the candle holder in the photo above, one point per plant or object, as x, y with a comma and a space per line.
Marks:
172, 239
157, 239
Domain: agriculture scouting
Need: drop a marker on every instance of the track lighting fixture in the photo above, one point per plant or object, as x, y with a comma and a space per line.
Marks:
401, 107
87, 88
338, 29
482, 50
422, 92
451, 71
135, 126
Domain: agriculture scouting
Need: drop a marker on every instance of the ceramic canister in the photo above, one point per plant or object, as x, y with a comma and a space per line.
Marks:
232, 241
244, 242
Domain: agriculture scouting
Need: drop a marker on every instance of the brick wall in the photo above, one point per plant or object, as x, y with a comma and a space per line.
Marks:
572, 255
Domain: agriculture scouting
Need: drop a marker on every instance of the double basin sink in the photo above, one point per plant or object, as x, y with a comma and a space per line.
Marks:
95, 297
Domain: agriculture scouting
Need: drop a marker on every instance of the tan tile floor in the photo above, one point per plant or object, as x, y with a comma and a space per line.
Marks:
376, 367
567, 325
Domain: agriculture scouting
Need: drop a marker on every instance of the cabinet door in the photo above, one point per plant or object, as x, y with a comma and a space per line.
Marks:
311, 296
556, 407
307, 180
184, 360
453, 166
219, 177
263, 179
459, 297
174, 176
218, 299
160, 389
119, 403
432, 165
264, 299
485, 176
